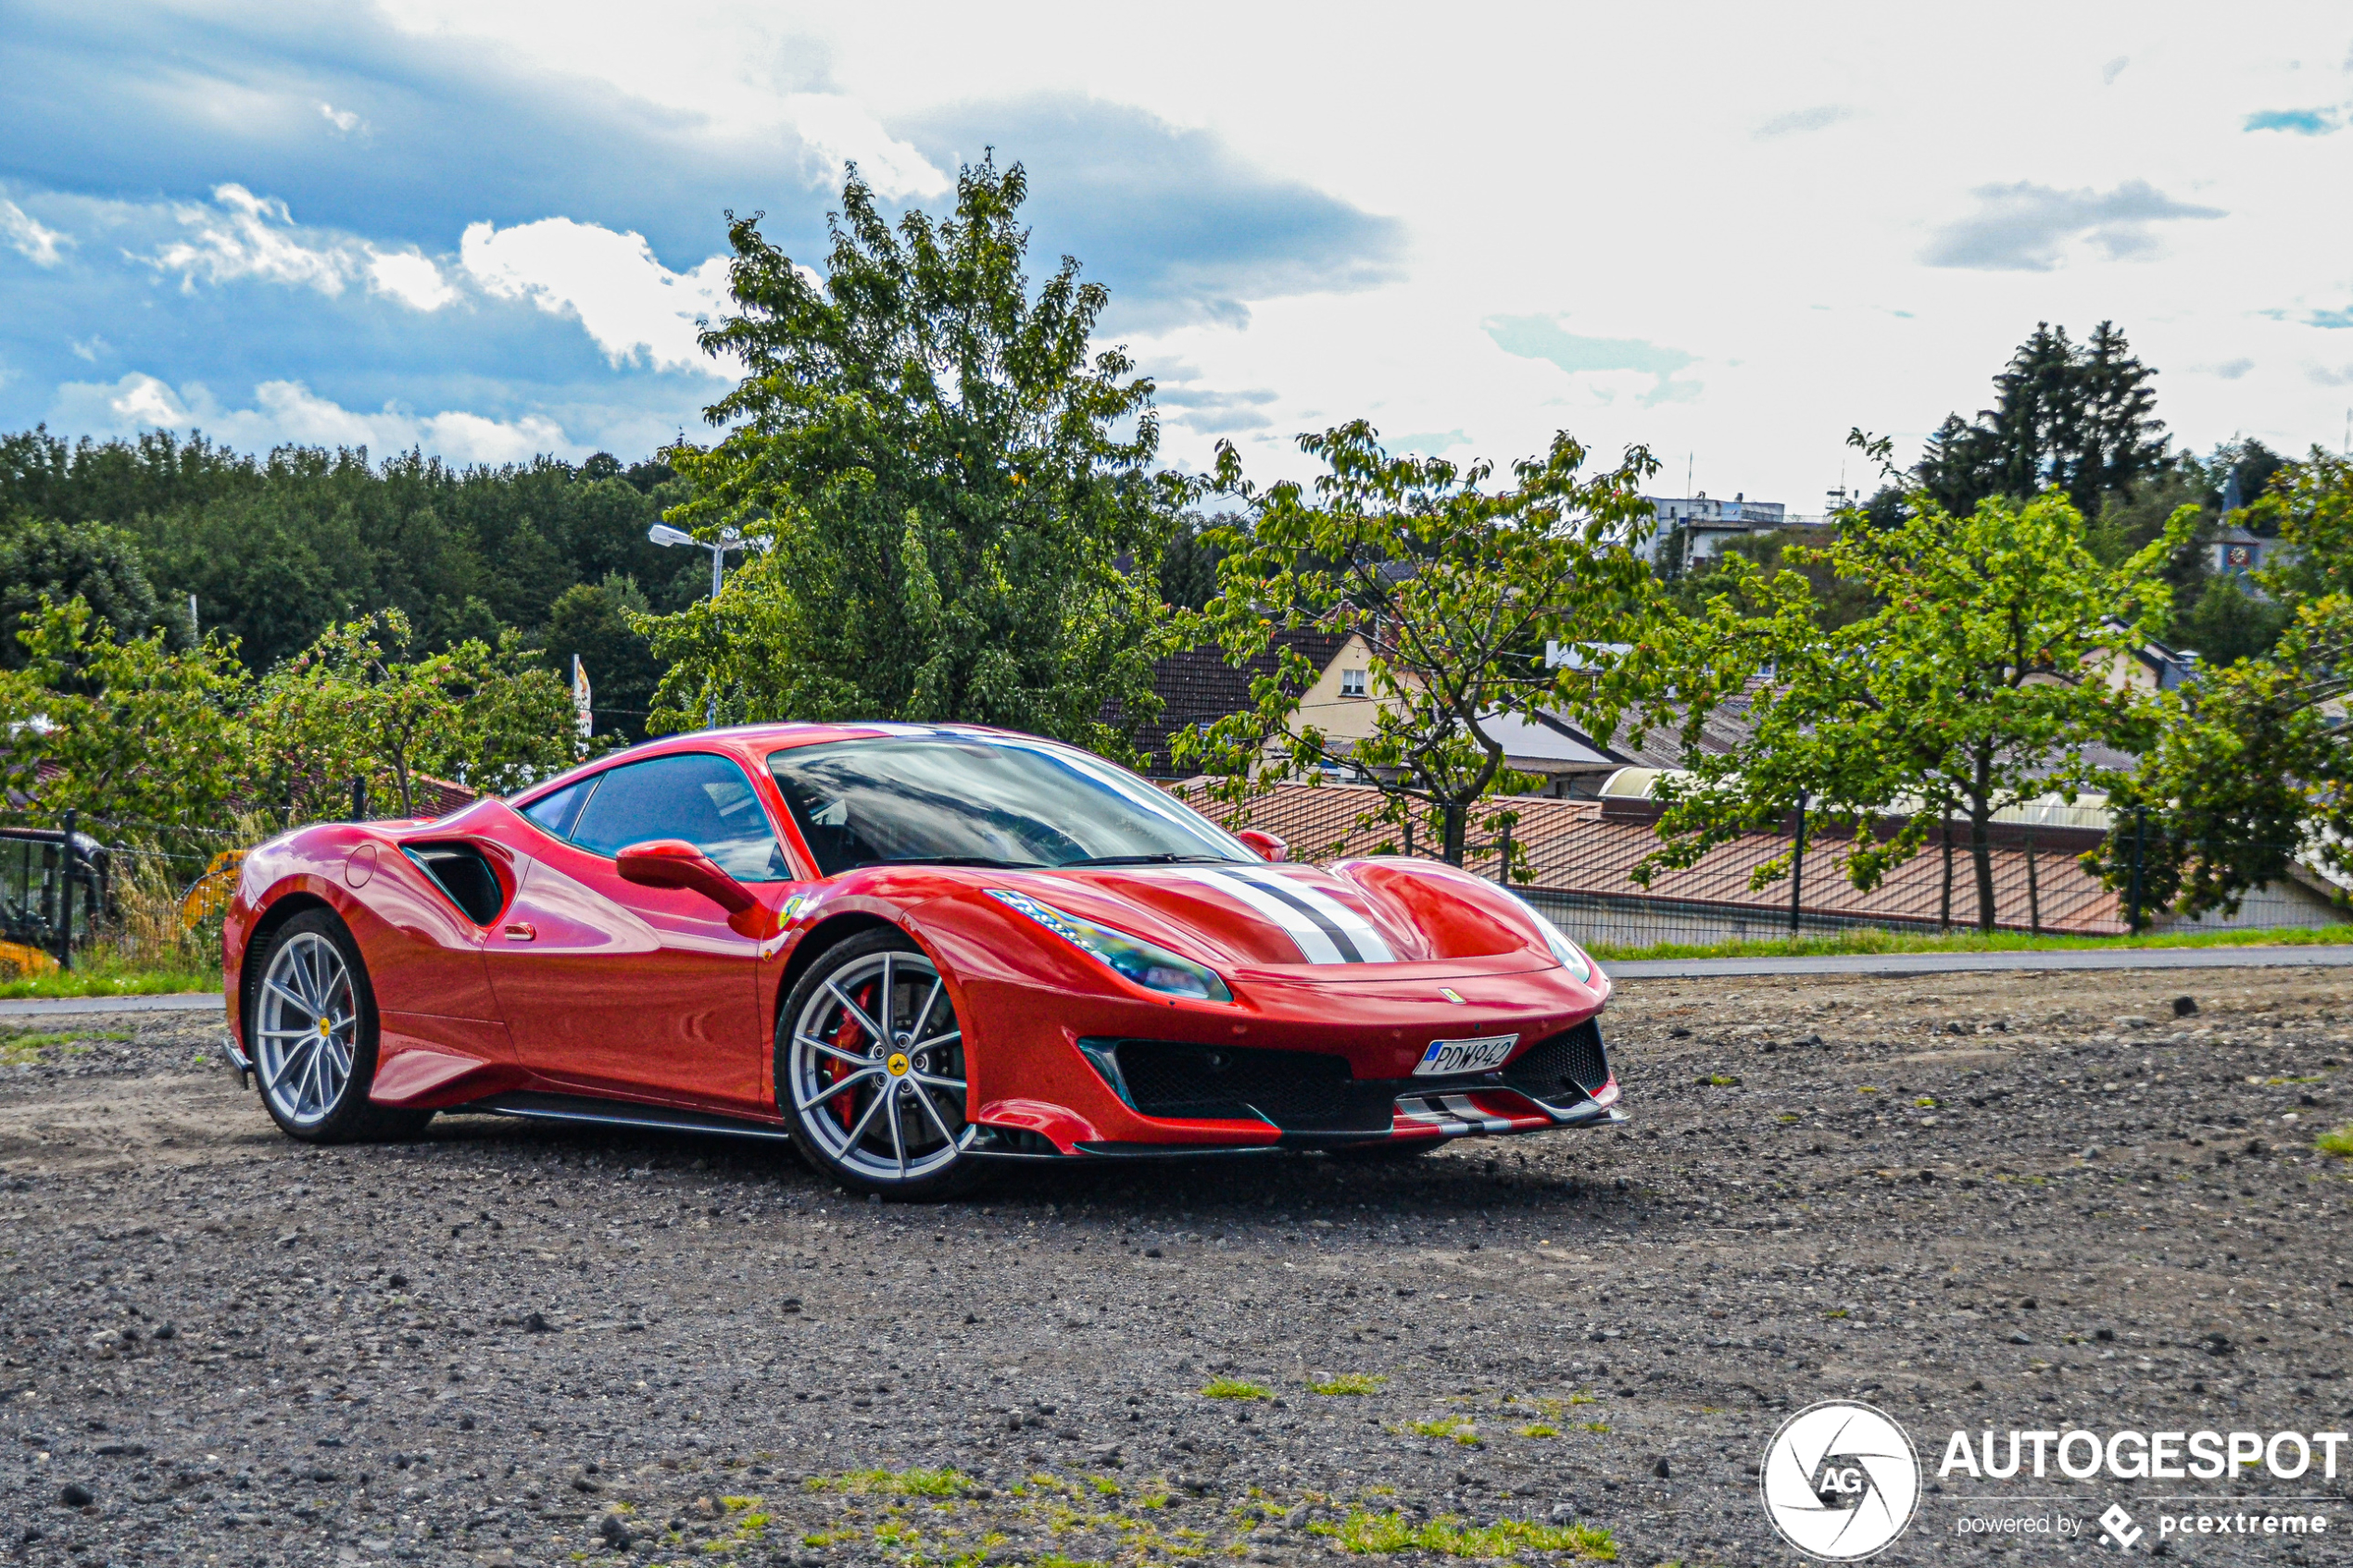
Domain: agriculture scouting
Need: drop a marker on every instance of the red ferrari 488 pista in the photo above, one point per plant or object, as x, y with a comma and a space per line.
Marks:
912, 950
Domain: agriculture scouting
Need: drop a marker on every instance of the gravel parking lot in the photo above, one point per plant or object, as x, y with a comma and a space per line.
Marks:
2024, 1200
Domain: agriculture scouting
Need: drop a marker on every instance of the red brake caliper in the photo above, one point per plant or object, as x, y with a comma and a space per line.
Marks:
846, 1038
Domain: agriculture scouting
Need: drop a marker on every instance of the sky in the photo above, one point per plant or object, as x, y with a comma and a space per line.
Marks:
1727, 233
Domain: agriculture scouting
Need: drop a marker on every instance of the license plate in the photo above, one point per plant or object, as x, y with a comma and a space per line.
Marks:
1446, 1058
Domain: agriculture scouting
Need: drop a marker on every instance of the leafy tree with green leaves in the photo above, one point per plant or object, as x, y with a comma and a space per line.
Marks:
1994, 658
2253, 767
1457, 588
1189, 566
43, 561
355, 704
2081, 417
134, 733
949, 487
1837, 602
592, 621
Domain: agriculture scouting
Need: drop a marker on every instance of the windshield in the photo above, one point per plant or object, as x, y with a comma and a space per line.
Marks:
972, 801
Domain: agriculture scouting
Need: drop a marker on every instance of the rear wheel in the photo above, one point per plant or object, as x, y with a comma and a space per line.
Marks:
310, 1031
870, 1070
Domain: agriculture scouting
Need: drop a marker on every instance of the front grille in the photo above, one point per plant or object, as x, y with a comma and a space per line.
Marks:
1568, 1066
1297, 1091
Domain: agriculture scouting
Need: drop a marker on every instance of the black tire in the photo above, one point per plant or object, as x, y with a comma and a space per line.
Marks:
286, 1075
837, 1125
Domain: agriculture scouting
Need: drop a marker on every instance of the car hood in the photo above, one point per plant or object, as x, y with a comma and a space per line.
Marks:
1300, 922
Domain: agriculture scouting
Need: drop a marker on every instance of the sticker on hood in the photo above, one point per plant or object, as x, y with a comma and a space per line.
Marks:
1325, 929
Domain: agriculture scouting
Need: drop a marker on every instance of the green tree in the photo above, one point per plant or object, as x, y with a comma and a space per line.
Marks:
354, 705
2081, 417
44, 561
1837, 602
1457, 590
592, 620
950, 487
2252, 768
1994, 658
134, 733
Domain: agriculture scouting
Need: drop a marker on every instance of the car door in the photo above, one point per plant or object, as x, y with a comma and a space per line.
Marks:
609, 987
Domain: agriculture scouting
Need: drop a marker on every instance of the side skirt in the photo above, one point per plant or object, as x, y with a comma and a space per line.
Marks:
620, 1113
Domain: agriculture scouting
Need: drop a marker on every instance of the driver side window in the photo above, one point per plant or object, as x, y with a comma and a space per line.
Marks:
704, 800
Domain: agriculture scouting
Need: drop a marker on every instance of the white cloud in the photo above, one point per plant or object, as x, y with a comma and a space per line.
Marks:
343, 120
410, 279
287, 411
244, 235
841, 130
42, 247
611, 283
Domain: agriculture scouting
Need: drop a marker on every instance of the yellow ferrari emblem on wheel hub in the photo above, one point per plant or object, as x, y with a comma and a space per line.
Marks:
897, 1065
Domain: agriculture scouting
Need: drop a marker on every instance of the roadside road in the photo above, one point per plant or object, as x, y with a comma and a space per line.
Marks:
1889, 964
1976, 1202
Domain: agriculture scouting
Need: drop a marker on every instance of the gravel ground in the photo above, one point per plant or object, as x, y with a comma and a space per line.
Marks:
2025, 1200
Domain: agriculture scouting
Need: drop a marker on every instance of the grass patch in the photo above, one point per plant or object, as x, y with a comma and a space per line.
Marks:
1229, 1388
2339, 1143
1719, 1081
16, 1050
1363, 1532
1347, 1384
895, 1483
1969, 942
1538, 1429
1462, 1431
1601, 1426
108, 977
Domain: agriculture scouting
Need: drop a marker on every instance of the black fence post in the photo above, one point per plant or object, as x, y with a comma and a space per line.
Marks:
2140, 842
1409, 834
2034, 889
1504, 855
359, 798
1797, 867
65, 893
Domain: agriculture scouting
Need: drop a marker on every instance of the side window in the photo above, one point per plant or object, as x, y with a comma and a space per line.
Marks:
555, 812
705, 800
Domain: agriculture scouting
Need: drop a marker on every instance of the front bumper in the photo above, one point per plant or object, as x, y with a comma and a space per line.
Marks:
1287, 1068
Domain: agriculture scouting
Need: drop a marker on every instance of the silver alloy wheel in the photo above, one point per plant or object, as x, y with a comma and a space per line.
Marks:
306, 1029
876, 1070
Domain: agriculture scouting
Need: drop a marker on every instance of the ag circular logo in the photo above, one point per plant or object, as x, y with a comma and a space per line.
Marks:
1841, 1481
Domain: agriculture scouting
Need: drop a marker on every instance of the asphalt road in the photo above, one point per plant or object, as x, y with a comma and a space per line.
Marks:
1989, 963
1994, 1200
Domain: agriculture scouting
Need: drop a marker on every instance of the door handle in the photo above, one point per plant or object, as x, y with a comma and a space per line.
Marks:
521, 930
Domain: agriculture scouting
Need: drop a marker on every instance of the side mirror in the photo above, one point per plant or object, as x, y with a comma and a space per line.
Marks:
674, 862
1269, 847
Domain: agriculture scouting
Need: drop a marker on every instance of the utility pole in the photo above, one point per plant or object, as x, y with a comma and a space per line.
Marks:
729, 539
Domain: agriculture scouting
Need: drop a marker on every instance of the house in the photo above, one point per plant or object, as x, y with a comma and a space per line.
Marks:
1197, 687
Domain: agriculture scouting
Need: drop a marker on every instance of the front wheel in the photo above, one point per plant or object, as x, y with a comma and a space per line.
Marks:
870, 1070
311, 1035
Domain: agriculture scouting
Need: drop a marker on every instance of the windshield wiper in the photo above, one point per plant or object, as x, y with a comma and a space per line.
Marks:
956, 860
1135, 860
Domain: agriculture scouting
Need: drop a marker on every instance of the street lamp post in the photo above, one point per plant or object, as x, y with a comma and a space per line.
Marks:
662, 533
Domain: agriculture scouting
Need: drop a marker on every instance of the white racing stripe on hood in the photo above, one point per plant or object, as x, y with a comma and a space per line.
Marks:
1314, 944
1370, 945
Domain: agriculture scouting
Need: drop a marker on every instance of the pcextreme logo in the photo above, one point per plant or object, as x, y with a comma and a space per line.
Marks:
1840, 1481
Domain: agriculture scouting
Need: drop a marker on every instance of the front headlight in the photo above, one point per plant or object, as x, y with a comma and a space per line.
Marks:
1155, 968
1563, 949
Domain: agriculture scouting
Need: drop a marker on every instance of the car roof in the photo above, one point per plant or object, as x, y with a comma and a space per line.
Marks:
752, 744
